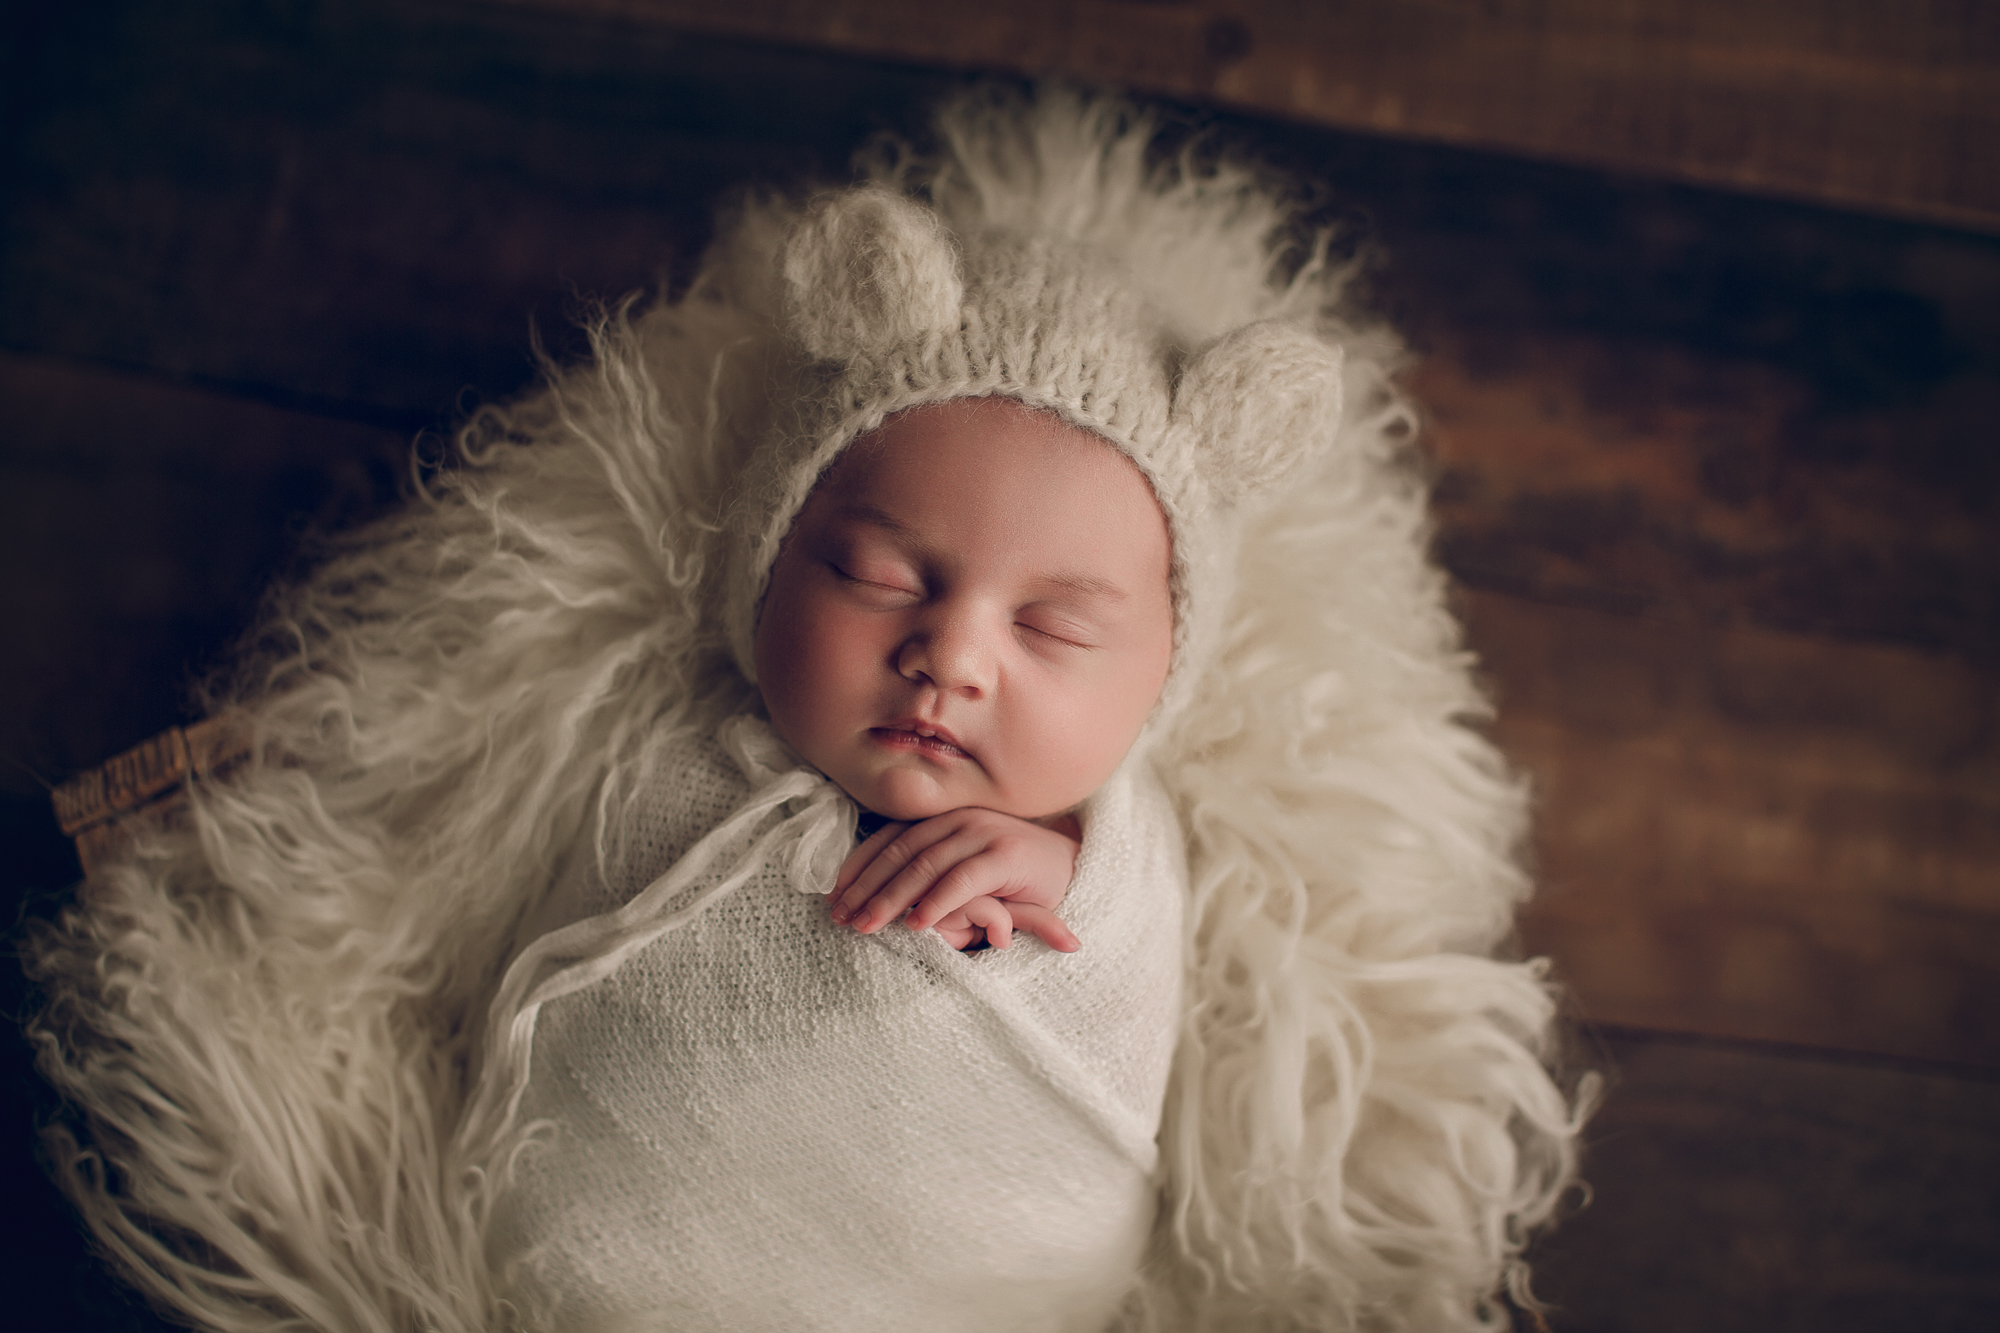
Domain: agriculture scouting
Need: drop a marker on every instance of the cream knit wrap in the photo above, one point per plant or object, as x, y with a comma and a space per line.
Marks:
762, 1121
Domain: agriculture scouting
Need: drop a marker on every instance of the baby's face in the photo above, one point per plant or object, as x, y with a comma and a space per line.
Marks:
971, 610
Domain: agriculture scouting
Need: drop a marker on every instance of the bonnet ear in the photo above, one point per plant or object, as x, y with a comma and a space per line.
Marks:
1256, 404
867, 270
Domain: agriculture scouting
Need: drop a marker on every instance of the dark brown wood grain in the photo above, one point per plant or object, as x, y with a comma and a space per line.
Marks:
1629, 474
1757, 835
1768, 794
1877, 105
142, 520
1742, 1191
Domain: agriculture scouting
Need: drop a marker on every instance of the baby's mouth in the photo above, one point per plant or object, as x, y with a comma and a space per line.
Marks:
921, 738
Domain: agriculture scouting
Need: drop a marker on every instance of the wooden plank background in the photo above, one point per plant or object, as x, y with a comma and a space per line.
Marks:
1757, 691
1880, 104
1717, 475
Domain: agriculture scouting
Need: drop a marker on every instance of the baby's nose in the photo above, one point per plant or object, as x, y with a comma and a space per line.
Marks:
954, 654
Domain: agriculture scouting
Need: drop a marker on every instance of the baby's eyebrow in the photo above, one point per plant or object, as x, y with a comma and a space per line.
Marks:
1085, 585
860, 511
1076, 584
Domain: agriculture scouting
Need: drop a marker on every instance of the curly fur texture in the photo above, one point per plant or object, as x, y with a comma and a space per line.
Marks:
269, 1018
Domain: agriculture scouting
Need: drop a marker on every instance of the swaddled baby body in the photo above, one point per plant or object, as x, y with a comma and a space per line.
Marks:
764, 1120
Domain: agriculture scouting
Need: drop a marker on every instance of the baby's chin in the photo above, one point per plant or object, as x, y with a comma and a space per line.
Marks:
908, 796
907, 800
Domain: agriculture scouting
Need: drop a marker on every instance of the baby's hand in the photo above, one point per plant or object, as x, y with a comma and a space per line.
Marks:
962, 872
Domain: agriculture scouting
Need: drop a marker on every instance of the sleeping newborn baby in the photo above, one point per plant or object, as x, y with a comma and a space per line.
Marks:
978, 559
966, 628
763, 1121
748, 851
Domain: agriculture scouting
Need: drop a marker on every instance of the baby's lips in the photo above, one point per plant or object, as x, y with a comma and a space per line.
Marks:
923, 730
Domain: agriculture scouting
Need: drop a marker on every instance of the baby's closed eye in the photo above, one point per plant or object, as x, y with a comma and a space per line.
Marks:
1058, 630
884, 583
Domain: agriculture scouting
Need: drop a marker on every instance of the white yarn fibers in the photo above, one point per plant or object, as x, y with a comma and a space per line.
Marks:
764, 1121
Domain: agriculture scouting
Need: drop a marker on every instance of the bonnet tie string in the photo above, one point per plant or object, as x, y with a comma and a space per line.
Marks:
808, 845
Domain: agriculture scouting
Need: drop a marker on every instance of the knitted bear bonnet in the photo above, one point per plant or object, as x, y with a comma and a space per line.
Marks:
889, 307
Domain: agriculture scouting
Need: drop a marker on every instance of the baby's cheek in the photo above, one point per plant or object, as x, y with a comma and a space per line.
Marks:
1079, 746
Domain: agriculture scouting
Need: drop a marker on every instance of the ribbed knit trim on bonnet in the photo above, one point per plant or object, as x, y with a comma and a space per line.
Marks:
889, 306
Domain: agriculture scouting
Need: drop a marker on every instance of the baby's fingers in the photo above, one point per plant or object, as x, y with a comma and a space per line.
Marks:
1045, 925
983, 869
991, 916
902, 872
887, 853
863, 855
